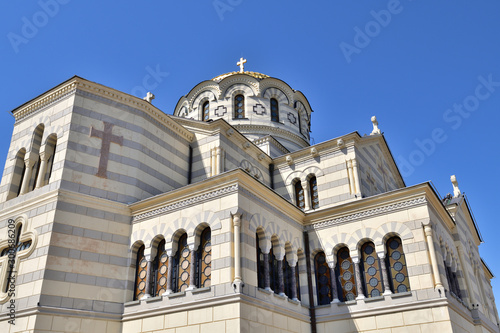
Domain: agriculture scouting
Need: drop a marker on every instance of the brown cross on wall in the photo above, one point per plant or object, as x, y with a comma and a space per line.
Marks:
107, 137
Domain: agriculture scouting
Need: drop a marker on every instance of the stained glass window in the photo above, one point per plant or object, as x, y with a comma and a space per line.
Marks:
275, 111
239, 107
313, 191
205, 259
206, 111
397, 266
161, 270
183, 256
299, 195
371, 270
141, 272
323, 279
346, 275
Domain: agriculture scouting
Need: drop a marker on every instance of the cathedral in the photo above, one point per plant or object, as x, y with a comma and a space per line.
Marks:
222, 217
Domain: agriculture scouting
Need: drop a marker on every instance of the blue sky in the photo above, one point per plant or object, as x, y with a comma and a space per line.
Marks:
429, 71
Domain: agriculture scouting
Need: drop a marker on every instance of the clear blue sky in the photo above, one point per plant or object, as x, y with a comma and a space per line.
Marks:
421, 67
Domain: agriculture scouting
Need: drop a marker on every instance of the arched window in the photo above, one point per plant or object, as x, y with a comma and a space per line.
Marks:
299, 195
273, 271
371, 270
141, 272
323, 279
51, 150
183, 261
397, 266
160, 270
261, 279
206, 111
288, 273
239, 107
346, 275
18, 176
275, 110
36, 173
204, 259
313, 191
453, 281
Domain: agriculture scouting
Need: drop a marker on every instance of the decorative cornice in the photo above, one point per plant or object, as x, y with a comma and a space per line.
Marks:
42, 101
368, 213
187, 202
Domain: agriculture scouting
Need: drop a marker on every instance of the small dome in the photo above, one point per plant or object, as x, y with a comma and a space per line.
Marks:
256, 75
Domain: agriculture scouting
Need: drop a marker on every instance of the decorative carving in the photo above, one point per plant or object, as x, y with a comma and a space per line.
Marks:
340, 143
289, 160
314, 152
183, 203
368, 213
291, 118
259, 109
251, 169
220, 111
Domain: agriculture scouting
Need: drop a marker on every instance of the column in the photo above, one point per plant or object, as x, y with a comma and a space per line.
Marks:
293, 270
27, 176
351, 177
43, 169
170, 267
237, 249
213, 163
435, 268
192, 268
356, 176
359, 285
219, 153
333, 277
305, 187
149, 284
385, 276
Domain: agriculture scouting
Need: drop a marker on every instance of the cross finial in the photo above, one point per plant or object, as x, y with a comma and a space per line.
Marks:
149, 97
241, 63
376, 130
456, 190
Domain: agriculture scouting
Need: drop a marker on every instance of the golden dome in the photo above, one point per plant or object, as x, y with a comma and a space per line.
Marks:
256, 75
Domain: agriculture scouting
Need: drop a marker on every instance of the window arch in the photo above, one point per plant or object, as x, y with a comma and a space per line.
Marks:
204, 268
206, 111
36, 173
183, 263
35, 149
396, 263
140, 276
371, 270
299, 195
51, 151
346, 275
160, 271
239, 107
313, 192
275, 110
323, 279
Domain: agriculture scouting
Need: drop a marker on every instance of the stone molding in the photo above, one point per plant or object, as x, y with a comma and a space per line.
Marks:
263, 129
184, 203
368, 213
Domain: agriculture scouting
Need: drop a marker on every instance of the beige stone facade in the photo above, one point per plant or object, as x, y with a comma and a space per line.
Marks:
116, 217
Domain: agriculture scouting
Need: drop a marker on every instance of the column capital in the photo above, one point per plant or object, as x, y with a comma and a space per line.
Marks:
236, 219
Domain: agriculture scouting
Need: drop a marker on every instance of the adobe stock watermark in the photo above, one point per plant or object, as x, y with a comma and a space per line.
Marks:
372, 29
454, 117
31, 26
150, 81
222, 6
11, 274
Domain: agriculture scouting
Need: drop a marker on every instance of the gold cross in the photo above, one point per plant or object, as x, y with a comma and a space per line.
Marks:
241, 63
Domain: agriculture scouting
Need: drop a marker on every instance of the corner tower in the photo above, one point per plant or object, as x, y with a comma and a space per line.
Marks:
266, 110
